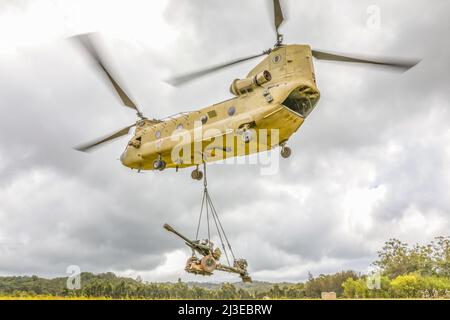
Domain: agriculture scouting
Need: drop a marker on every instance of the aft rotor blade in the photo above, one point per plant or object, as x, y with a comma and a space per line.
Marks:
91, 145
182, 79
87, 42
278, 14
402, 64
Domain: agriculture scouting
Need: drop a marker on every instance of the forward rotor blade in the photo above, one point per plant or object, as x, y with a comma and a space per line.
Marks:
396, 63
90, 145
180, 80
278, 14
86, 41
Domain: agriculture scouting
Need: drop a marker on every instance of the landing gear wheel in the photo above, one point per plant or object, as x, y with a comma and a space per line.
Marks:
286, 152
208, 264
197, 175
159, 164
247, 136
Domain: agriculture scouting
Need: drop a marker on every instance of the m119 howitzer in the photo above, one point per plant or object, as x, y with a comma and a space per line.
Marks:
210, 260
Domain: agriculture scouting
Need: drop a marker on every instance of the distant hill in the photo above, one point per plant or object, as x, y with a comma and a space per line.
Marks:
110, 285
57, 286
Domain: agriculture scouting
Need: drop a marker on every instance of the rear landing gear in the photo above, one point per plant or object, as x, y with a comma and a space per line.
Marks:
159, 164
285, 151
197, 174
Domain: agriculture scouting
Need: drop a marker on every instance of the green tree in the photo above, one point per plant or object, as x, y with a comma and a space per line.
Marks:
408, 286
396, 258
355, 288
328, 283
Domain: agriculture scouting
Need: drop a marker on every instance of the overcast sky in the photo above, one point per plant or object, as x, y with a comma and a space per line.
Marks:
371, 162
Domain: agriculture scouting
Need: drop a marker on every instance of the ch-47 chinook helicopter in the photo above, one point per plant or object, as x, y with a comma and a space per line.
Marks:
277, 95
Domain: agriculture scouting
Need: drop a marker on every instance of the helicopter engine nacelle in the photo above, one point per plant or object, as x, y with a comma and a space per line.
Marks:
241, 86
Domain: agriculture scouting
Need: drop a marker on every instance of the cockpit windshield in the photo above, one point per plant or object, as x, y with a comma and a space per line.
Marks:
302, 100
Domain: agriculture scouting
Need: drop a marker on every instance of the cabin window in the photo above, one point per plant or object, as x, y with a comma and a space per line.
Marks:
276, 59
231, 111
180, 127
158, 134
135, 142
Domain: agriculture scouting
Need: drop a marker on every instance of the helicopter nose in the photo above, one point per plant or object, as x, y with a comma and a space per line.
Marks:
122, 157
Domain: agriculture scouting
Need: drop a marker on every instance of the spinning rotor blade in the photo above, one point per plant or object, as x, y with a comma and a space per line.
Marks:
180, 80
90, 145
86, 41
278, 14
396, 63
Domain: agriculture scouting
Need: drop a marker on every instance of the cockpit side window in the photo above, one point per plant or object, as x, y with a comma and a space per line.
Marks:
302, 101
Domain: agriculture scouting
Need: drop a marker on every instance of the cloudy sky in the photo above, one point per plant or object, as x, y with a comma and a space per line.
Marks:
371, 162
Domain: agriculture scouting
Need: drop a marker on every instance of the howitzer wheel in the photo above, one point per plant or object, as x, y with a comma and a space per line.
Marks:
208, 263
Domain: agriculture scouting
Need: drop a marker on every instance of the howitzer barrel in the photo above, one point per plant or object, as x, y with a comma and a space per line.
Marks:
202, 249
171, 229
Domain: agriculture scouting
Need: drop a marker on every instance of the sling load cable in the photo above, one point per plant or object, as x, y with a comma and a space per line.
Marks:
219, 227
200, 217
213, 209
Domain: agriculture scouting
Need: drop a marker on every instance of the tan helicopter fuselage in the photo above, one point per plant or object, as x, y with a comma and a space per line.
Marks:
263, 115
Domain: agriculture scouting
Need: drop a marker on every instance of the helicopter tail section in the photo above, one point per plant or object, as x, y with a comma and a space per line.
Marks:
290, 62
